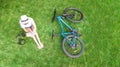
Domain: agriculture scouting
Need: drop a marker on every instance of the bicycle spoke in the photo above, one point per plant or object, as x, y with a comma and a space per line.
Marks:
73, 49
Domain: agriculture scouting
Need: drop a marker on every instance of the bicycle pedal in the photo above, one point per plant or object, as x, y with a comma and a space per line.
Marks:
75, 51
53, 34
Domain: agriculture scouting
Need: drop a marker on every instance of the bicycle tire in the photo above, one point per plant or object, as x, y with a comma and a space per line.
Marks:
73, 19
68, 53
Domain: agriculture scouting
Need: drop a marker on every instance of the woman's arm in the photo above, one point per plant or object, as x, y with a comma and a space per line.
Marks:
34, 25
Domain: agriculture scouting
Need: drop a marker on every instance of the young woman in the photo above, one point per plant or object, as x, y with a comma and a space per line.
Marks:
28, 25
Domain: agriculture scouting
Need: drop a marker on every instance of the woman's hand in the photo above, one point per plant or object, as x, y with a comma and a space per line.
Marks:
29, 29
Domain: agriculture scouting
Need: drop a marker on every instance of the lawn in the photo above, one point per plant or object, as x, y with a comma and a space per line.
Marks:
100, 33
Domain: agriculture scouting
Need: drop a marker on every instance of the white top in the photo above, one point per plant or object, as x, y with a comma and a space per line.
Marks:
27, 23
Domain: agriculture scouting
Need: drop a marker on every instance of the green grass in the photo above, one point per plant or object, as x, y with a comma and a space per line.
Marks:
100, 33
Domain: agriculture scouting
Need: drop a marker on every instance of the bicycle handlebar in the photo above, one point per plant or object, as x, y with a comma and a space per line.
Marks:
53, 18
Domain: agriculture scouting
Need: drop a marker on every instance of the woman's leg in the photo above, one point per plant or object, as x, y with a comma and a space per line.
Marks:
34, 38
38, 39
32, 33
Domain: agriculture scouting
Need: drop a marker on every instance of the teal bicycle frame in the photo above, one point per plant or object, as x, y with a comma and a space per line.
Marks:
64, 34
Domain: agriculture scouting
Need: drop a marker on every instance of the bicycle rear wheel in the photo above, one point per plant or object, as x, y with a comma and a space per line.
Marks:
73, 14
75, 52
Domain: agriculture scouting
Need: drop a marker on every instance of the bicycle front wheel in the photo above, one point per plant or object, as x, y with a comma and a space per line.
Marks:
73, 14
71, 51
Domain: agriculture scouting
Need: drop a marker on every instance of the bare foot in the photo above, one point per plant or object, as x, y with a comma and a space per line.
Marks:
40, 46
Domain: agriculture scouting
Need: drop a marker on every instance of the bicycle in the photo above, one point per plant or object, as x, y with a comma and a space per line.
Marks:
72, 44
